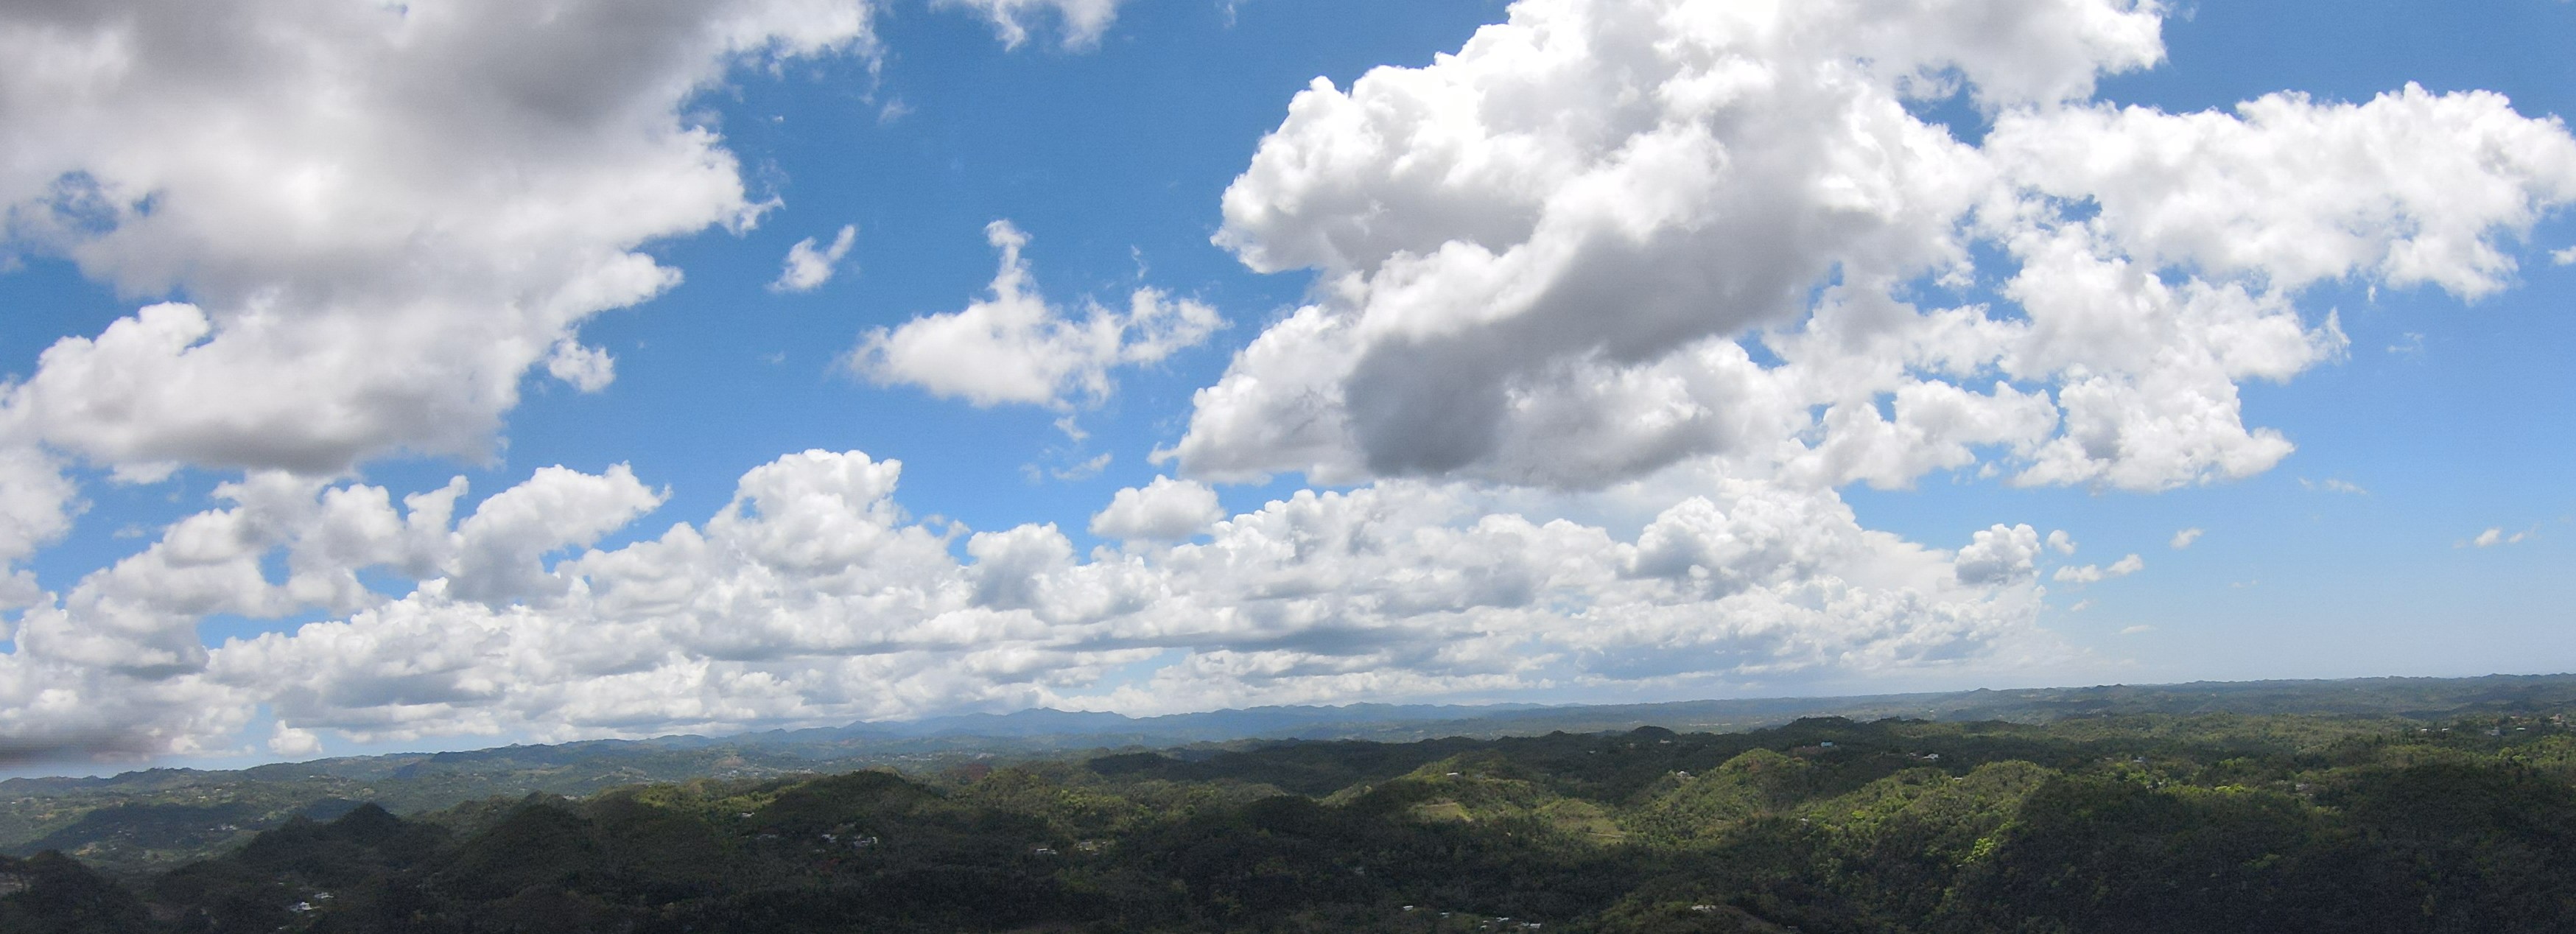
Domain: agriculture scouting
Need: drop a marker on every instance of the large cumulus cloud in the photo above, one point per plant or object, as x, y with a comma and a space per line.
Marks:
374, 217
1609, 236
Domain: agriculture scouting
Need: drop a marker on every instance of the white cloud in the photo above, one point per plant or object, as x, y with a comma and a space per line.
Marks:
1164, 510
588, 369
2137, 630
2094, 573
122, 646
139, 615
1604, 239
2497, 536
808, 267
1082, 21
813, 598
2332, 485
2184, 538
380, 216
2147, 390
36, 504
435, 196
2061, 542
1014, 347
2408, 188
2001, 554
2566, 257
291, 743
115, 666
500, 548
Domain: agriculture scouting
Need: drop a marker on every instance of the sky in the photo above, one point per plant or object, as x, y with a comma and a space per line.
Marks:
449, 374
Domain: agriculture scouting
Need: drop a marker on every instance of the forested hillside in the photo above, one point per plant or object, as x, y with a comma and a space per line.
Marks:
2116, 824
153, 820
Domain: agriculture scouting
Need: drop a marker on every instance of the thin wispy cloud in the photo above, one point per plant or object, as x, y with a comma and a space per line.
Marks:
2496, 535
1081, 22
2095, 573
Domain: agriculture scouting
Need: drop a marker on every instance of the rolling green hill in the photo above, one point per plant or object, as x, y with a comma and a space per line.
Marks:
150, 820
2144, 822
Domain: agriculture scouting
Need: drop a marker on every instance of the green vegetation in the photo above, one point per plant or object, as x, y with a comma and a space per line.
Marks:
151, 821
2140, 823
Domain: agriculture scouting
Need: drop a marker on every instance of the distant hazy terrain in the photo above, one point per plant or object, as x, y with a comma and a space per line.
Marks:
159, 817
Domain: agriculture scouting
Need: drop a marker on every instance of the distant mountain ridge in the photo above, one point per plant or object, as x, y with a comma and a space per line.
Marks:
1209, 726
1036, 729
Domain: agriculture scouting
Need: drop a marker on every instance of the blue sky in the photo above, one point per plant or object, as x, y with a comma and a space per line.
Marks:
1805, 352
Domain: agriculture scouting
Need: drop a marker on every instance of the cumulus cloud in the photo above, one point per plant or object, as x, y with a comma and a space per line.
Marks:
1164, 510
2408, 188
380, 215
813, 597
2002, 554
114, 667
588, 369
1604, 238
2095, 573
1014, 347
808, 267
499, 549
2566, 257
137, 617
2184, 538
121, 651
1081, 21
2060, 542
